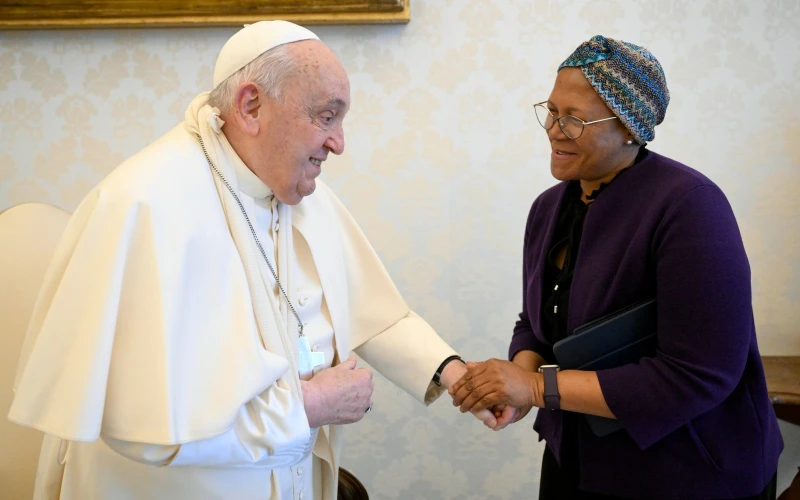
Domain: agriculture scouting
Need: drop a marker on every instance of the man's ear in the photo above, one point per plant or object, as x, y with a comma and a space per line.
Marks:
248, 104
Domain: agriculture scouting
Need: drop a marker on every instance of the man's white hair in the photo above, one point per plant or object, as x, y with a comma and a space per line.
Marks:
269, 72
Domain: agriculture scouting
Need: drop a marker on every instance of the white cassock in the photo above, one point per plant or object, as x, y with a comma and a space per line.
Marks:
161, 360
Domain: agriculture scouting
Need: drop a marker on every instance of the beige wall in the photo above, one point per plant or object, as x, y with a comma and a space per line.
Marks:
444, 157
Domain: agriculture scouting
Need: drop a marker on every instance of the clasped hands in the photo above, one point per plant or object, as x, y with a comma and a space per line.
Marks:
502, 387
496, 392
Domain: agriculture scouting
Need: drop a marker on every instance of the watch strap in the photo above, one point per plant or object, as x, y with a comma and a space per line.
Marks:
552, 398
438, 375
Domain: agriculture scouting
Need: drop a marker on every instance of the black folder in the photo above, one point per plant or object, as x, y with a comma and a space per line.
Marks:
617, 339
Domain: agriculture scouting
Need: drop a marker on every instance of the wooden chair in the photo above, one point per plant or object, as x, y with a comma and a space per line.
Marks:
350, 488
783, 384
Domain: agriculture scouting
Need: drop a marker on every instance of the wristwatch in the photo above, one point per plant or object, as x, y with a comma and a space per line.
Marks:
552, 399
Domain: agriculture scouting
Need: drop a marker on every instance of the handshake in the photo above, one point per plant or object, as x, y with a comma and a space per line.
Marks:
497, 392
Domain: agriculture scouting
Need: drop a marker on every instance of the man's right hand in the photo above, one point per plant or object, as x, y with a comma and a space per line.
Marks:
338, 395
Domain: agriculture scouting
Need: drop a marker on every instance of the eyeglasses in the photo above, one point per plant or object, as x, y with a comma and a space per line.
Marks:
572, 126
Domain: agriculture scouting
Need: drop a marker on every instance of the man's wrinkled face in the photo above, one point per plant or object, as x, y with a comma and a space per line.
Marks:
298, 131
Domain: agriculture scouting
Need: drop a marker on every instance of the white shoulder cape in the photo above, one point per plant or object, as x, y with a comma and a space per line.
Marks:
144, 327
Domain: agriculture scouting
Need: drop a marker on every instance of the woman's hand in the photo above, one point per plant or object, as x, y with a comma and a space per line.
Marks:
495, 383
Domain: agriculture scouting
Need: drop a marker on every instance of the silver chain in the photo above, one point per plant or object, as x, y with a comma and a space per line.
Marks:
253, 231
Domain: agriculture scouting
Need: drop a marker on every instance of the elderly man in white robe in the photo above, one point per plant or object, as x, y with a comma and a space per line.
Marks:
186, 342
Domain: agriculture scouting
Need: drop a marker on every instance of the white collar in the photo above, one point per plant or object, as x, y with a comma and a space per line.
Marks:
248, 182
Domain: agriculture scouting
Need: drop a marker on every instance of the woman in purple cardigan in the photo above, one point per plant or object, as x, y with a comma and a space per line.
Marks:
626, 225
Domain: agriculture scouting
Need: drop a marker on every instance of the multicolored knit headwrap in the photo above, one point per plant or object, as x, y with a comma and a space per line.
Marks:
628, 78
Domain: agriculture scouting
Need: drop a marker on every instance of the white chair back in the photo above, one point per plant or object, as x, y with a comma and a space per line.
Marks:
29, 234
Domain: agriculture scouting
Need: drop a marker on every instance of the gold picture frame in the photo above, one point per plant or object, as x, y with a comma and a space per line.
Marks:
62, 14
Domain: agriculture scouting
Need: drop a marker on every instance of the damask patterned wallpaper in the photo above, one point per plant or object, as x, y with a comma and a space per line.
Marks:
444, 156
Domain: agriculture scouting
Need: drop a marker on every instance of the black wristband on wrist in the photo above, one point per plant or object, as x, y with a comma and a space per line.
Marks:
552, 398
438, 375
